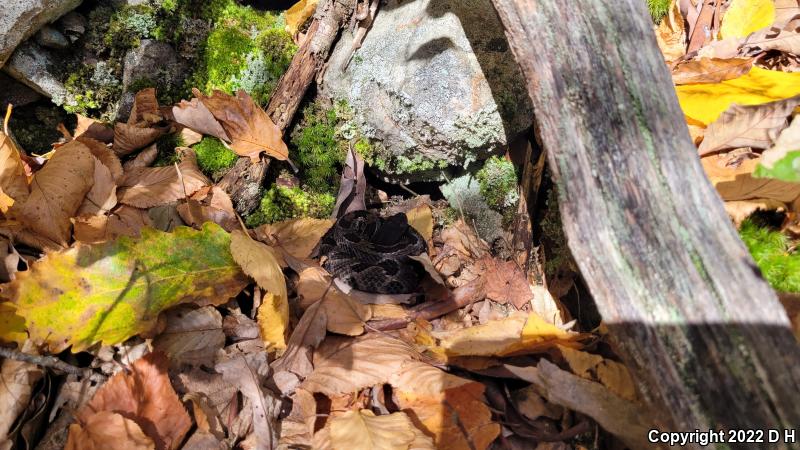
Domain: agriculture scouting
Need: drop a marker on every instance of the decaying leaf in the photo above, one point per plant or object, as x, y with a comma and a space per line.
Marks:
610, 374
196, 116
754, 126
144, 158
17, 380
352, 187
145, 108
209, 204
144, 395
129, 138
122, 221
13, 181
57, 191
363, 430
250, 129
343, 365
710, 70
103, 194
107, 429
298, 237
450, 408
738, 182
110, 292
506, 283
152, 186
671, 34
295, 363
92, 129
191, 336
344, 314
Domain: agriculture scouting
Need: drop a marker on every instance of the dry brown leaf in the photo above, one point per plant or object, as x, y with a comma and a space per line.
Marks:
625, 419
152, 186
344, 314
506, 282
196, 116
445, 406
105, 155
259, 262
145, 108
102, 197
191, 336
106, 430
671, 34
144, 158
297, 429
352, 188
247, 373
145, 396
57, 191
201, 440
17, 380
123, 221
783, 38
209, 204
298, 237
737, 183
129, 138
13, 181
190, 137
343, 365
250, 129
363, 430
710, 70
92, 129
738, 210
610, 374
787, 141
755, 126
295, 363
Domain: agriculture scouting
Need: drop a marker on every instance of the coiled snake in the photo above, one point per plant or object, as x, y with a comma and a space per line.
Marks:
371, 253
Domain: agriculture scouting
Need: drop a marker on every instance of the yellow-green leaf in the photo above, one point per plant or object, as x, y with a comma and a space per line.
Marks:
273, 319
112, 291
704, 103
746, 16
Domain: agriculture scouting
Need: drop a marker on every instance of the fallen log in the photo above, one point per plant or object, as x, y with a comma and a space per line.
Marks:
707, 339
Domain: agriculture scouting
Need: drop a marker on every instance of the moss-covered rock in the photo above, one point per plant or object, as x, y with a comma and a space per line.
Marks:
498, 182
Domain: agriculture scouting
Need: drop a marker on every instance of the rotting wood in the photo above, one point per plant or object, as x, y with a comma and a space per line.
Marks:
709, 343
243, 182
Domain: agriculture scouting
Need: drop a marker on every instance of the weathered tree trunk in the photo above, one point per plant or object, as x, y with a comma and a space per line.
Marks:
243, 182
709, 343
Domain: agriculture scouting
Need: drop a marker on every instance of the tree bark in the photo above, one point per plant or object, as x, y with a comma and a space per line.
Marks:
709, 343
243, 182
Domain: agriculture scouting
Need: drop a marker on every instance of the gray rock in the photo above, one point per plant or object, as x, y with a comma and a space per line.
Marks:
434, 83
15, 93
20, 19
73, 25
31, 64
51, 38
152, 60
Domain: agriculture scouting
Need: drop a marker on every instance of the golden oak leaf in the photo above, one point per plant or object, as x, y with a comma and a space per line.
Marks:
746, 16
363, 430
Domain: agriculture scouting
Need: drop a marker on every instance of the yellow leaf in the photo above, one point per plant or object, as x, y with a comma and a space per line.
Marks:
12, 326
704, 103
746, 16
273, 319
297, 15
421, 219
362, 430
259, 262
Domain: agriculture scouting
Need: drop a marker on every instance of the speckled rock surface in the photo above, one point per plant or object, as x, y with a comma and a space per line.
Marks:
31, 65
434, 84
20, 19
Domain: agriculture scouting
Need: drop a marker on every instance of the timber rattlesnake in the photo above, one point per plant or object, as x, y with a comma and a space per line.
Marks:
371, 253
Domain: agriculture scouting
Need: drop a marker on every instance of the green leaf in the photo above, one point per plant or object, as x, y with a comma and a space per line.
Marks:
110, 292
785, 169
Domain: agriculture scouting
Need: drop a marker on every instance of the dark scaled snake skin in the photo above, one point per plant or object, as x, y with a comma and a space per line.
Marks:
371, 253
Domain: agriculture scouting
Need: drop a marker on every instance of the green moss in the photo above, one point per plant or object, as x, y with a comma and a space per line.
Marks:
281, 203
247, 49
498, 181
166, 146
127, 26
92, 89
658, 9
774, 255
558, 256
213, 157
318, 152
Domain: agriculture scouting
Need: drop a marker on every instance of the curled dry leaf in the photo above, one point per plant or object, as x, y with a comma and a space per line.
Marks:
754, 126
144, 158
17, 380
344, 314
738, 182
129, 138
145, 109
13, 181
671, 34
343, 365
209, 204
144, 394
298, 237
106, 429
152, 186
92, 129
196, 116
363, 430
191, 336
105, 155
784, 38
611, 374
787, 141
103, 194
250, 129
352, 188
710, 70
295, 363
506, 282
298, 14
57, 191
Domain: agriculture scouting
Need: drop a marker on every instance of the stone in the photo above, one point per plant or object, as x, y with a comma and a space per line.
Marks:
154, 61
15, 93
51, 38
434, 85
20, 19
30, 64
72, 25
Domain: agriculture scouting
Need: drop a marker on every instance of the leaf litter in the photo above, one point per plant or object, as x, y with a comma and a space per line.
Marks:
203, 334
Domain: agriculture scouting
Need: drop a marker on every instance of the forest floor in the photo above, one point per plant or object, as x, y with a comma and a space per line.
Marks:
141, 310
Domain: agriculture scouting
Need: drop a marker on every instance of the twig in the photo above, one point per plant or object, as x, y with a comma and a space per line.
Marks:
41, 360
